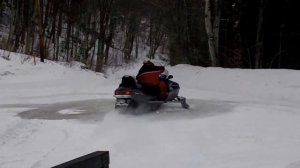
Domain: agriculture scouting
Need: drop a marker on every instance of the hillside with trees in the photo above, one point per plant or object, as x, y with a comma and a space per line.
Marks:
101, 33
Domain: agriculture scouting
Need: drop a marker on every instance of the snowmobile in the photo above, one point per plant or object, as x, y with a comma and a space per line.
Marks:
131, 95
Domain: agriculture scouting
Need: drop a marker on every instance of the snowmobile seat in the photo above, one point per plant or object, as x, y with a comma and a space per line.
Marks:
128, 82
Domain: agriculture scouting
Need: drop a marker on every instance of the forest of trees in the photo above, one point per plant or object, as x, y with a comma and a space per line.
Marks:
101, 33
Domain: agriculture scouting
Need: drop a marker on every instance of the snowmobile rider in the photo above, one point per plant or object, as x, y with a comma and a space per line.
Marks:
149, 77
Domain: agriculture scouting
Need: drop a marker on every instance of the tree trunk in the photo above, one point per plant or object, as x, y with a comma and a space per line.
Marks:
217, 25
68, 39
136, 48
210, 34
59, 27
40, 29
112, 28
259, 37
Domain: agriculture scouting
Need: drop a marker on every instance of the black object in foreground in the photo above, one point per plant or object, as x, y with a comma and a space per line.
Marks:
98, 159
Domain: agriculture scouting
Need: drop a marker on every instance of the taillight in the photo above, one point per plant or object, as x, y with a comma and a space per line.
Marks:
117, 92
122, 92
127, 93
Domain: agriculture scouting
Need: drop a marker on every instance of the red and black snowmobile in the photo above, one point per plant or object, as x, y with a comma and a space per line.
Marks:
131, 95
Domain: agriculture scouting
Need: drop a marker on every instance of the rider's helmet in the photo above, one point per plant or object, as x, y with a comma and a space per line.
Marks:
148, 62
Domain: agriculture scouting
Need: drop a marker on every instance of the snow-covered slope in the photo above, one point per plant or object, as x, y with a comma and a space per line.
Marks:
51, 113
23, 82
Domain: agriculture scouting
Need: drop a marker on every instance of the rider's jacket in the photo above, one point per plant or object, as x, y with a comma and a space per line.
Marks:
149, 75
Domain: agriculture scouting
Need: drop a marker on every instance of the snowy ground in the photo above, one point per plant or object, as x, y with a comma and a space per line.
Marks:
51, 113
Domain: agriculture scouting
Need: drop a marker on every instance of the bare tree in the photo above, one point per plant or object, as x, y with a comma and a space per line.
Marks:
212, 31
105, 8
130, 33
156, 34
